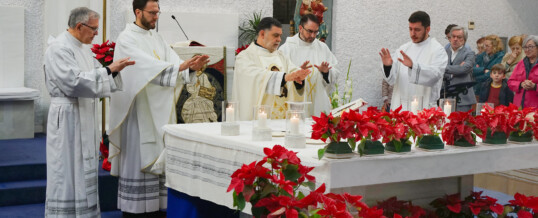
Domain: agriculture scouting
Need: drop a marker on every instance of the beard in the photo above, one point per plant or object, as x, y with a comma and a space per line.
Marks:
146, 23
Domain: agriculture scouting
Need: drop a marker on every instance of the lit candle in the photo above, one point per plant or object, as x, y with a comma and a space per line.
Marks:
230, 114
262, 119
414, 106
294, 125
447, 108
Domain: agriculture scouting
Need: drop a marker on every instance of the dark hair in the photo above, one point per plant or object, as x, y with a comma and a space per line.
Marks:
499, 68
449, 27
420, 16
309, 17
141, 4
267, 23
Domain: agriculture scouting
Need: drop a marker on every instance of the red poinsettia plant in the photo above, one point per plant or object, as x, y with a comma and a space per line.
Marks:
474, 205
104, 53
463, 125
522, 120
335, 129
498, 119
393, 207
434, 118
403, 125
272, 187
523, 206
368, 126
240, 49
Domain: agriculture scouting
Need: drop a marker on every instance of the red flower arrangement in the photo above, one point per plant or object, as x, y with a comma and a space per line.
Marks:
104, 53
393, 207
473, 205
523, 206
240, 49
434, 118
497, 119
464, 126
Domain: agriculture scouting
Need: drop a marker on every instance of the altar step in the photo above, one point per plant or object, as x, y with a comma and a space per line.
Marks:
23, 179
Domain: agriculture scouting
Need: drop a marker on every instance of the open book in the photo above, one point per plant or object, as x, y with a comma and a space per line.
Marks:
354, 105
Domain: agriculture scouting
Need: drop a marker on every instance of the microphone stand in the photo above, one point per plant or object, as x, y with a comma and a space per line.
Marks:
174, 17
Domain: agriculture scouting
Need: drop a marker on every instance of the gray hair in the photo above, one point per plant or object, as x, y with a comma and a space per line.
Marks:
81, 15
531, 37
459, 28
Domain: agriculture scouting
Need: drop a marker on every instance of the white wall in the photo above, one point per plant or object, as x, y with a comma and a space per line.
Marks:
361, 28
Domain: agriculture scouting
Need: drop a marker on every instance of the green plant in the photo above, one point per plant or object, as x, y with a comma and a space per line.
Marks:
336, 100
249, 27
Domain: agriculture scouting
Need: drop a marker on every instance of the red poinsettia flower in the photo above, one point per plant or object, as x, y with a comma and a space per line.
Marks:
497, 119
524, 214
279, 205
104, 53
372, 212
240, 49
463, 125
434, 117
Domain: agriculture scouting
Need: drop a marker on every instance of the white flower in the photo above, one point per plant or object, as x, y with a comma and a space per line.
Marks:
349, 83
335, 96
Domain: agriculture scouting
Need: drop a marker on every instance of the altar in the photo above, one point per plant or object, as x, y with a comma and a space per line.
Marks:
199, 163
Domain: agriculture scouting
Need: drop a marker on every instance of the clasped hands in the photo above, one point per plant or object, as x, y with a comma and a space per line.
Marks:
387, 59
528, 85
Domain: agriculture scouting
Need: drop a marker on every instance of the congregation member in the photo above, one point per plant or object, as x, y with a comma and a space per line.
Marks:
495, 89
265, 76
516, 54
493, 54
448, 37
74, 80
138, 114
305, 47
480, 51
460, 66
417, 67
525, 75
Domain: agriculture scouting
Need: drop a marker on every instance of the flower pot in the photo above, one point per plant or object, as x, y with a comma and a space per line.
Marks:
431, 142
338, 150
372, 147
405, 146
496, 138
463, 143
525, 137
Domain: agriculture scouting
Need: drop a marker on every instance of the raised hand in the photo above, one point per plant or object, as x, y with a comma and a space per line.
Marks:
118, 65
306, 65
385, 57
297, 76
195, 63
406, 60
324, 67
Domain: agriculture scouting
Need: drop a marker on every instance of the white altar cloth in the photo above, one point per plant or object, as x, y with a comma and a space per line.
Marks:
200, 161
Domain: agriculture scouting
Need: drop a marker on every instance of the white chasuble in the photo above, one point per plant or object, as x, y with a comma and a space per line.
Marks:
257, 80
149, 86
317, 90
74, 80
423, 79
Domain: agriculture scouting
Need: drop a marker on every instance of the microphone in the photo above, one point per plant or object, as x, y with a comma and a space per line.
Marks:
174, 17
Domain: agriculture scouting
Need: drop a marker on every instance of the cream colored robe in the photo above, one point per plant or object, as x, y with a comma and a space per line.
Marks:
254, 82
317, 90
423, 79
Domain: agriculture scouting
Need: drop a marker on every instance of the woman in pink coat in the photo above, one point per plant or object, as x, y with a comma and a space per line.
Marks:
525, 76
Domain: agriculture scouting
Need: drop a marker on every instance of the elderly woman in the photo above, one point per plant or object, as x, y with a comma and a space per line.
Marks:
511, 59
479, 59
493, 55
525, 75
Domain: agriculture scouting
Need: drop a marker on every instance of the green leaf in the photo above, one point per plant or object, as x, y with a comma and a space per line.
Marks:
361, 147
239, 201
321, 152
397, 145
268, 189
310, 185
352, 143
300, 196
291, 173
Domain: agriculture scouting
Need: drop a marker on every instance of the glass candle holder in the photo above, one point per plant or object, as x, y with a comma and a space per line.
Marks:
480, 107
299, 106
230, 115
295, 129
413, 103
448, 105
261, 118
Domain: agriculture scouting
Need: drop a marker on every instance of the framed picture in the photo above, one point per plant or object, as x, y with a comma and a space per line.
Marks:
201, 100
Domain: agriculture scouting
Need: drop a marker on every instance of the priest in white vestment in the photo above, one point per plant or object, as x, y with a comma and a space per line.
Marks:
305, 47
417, 67
74, 80
265, 76
139, 112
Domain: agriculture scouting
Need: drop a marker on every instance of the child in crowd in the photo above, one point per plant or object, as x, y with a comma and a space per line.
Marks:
495, 89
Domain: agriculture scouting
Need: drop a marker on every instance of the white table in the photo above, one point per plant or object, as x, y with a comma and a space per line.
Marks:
200, 162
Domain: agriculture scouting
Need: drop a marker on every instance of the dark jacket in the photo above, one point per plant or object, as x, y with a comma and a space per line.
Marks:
478, 72
506, 95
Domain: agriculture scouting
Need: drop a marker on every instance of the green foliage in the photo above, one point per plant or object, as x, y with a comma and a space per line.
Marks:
248, 28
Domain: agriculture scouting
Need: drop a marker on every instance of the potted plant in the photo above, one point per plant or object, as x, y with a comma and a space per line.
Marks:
337, 131
497, 121
435, 118
474, 205
522, 121
523, 206
393, 207
367, 130
463, 129
403, 125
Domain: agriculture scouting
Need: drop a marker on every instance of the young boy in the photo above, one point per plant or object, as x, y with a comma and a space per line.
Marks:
495, 89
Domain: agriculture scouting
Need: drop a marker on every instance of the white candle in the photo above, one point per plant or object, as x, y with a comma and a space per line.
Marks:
262, 119
294, 125
447, 108
230, 114
414, 106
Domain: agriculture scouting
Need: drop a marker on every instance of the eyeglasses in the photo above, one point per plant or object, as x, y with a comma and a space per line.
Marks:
529, 47
316, 32
153, 13
95, 29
